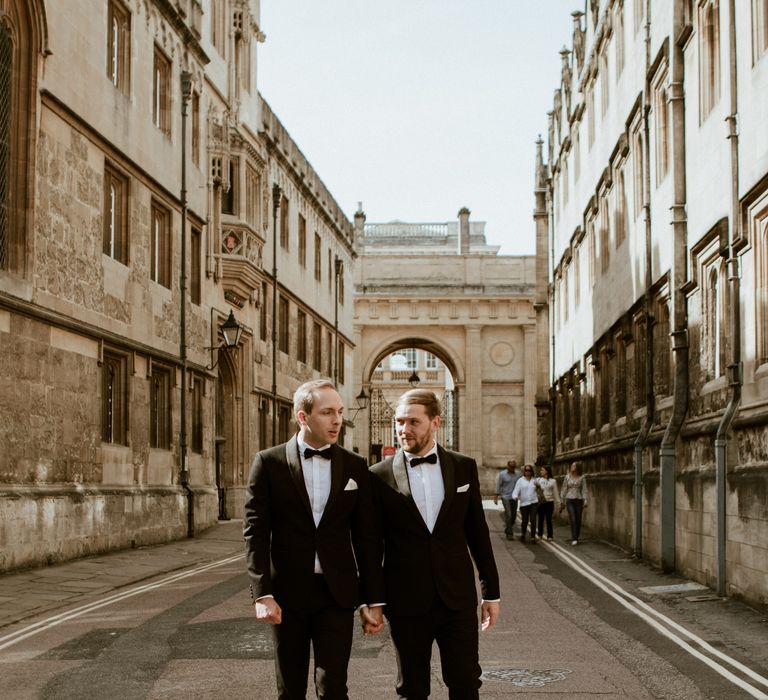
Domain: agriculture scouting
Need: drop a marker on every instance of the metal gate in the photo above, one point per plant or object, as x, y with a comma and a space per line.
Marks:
383, 430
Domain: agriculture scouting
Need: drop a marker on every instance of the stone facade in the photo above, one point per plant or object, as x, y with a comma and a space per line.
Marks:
96, 225
418, 286
656, 194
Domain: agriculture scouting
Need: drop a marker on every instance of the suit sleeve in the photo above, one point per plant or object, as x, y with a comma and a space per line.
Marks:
366, 539
479, 539
257, 529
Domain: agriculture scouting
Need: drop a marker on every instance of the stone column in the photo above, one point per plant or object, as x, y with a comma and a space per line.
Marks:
473, 399
529, 394
463, 248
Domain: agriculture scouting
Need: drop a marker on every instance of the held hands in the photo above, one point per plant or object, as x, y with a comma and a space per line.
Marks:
267, 610
489, 612
372, 619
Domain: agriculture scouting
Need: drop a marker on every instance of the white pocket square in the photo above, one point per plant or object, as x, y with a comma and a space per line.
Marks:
351, 485
462, 489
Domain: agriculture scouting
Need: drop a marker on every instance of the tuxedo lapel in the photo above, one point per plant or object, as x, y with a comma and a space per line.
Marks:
400, 472
448, 470
337, 480
297, 474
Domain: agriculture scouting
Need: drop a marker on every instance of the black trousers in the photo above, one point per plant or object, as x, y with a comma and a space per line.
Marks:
329, 629
544, 512
456, 634
528, 513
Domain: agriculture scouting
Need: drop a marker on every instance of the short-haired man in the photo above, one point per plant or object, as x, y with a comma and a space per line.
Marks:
432, 519
505, 485
310, 526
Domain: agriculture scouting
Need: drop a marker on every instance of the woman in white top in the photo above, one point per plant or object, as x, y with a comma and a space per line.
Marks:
547, 507
574, 495
525, 494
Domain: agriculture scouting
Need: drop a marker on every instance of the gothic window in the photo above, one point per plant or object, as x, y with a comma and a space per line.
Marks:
301, 336
606, 378
161, 92
282, 323
229, 203
759, 29
620, 393
252, 196
341, 287
639, 13
565, 179
340, 363
114, 398
302, 241
160, 407
713, 319
18, 47
638, 171
566, 297
318, 257
118, 45
263, 318
640, 360
709, 56
604, 82
577, 276
115, 235
284, 231
591, 250
195, 139
576, 155
197, 415
218, 24
195, 265
329, 354
619, 34
284, 422
591, 116
317, 345
160, 246
661, 105
330, 270
605, 232
620, 211
761, 296
662, 354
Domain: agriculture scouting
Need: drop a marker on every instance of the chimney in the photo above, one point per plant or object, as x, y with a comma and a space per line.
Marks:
463, 248
359, 224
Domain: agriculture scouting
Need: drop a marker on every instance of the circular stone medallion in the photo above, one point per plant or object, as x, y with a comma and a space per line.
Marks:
502, 354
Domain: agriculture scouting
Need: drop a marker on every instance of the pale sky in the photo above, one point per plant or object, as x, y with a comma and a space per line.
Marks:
419, 107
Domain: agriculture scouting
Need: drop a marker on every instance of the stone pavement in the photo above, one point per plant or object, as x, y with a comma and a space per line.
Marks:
552, 640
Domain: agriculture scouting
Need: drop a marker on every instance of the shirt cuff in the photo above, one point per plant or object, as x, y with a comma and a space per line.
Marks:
263, 597
495, 600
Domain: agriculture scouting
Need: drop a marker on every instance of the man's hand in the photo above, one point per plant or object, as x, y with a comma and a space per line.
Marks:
495, 500
372, 619
488, 614
267, 610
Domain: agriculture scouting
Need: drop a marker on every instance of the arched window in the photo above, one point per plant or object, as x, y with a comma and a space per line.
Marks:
714, 322
761, 297
18, 46
662, 352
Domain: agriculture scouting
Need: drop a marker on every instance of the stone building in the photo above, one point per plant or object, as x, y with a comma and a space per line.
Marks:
440, 289
139, 173
655, 197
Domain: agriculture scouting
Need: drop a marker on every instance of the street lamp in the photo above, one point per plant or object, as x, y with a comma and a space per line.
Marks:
362, 403
414, 379
231, 332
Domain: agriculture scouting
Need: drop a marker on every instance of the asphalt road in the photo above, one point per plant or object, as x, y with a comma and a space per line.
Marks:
175, 622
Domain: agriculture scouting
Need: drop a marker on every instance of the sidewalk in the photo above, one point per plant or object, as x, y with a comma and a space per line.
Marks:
45, 589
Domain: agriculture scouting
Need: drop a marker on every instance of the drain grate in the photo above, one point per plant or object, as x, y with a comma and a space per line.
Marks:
526, 678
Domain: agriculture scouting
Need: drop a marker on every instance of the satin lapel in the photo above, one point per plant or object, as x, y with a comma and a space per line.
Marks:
337, 480
448, 470
297, 474
400, 472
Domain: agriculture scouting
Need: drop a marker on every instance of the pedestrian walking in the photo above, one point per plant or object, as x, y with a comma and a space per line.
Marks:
526, 495
505, 484
574, 496
434, 529
551, 498
313, 546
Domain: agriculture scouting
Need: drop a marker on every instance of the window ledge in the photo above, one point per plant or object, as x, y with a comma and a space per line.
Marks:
715, 385
762, 371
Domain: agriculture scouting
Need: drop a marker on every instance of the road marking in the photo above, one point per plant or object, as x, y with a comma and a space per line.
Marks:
645, 612
49, 622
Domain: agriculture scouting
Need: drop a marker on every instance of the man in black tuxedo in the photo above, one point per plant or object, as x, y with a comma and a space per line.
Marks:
432, 519
313, 546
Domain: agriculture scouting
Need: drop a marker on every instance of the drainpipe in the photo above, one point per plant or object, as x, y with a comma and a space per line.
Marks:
186, 94
276, 194
650, 405
552, 391
667, 452
734, 303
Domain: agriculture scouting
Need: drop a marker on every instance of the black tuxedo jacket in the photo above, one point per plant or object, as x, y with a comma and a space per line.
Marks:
281, 537
418, 564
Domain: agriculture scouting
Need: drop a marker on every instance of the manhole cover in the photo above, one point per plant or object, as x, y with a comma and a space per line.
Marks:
525, 678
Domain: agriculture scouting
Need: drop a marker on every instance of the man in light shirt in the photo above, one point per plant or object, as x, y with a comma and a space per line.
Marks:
433, 526
505, 485
310, 526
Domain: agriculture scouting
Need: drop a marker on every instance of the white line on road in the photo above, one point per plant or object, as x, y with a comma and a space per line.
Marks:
644, 612
48, 622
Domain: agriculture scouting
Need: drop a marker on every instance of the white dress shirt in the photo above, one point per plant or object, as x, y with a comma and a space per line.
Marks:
427, 487
317, 478
525, 492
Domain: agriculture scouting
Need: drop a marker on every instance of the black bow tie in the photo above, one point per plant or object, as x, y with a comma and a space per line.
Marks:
429, 459
325, 454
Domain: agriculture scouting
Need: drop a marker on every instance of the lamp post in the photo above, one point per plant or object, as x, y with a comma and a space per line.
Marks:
276, 194
186, 94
